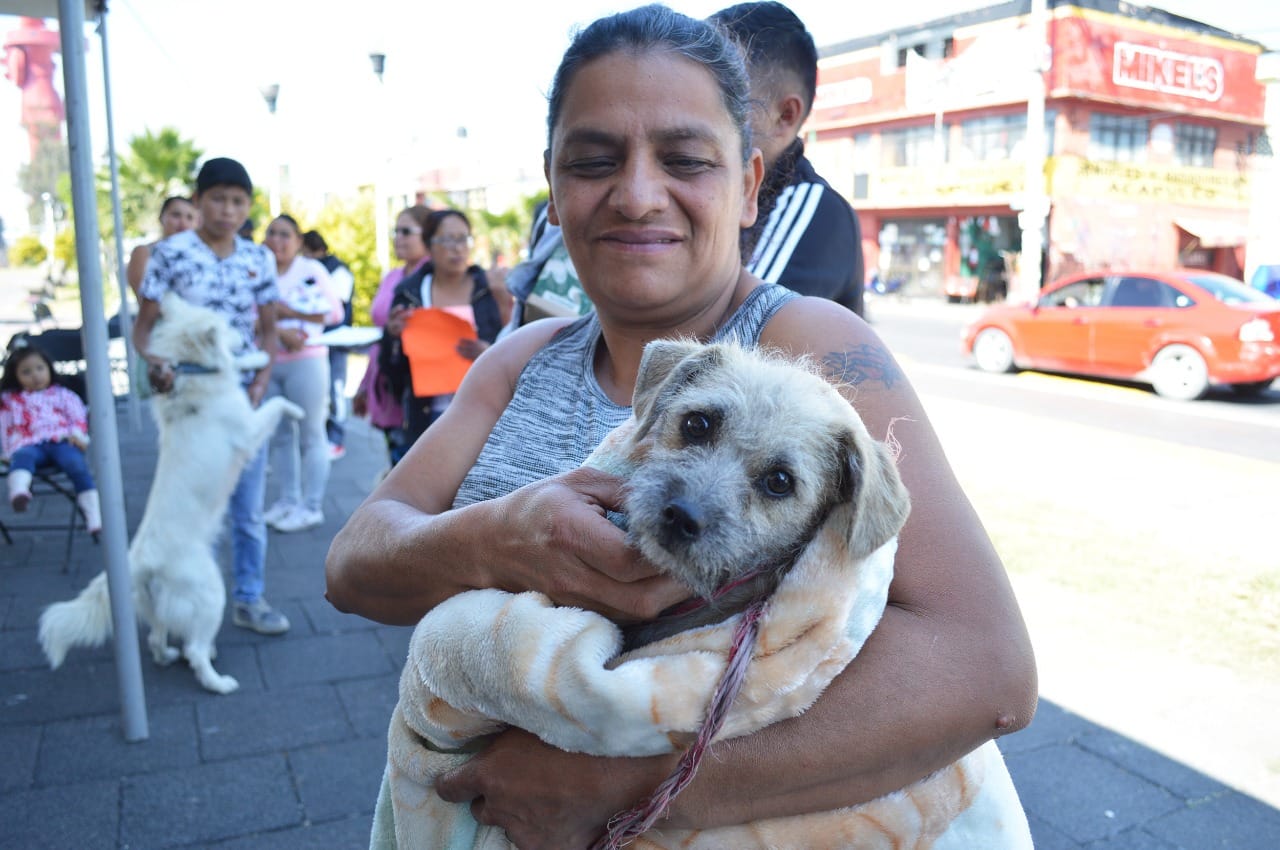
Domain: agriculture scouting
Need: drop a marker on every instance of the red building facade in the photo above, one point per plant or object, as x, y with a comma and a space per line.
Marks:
1149, 123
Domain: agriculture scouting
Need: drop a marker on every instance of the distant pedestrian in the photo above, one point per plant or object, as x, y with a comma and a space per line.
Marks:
374, 397
343, 284
449, 281
177, 214
299, 450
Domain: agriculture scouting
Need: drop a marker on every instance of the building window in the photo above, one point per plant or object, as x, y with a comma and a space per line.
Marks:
996, 138
911, 146
1194, 145
1118, 138
863, 165
991, 138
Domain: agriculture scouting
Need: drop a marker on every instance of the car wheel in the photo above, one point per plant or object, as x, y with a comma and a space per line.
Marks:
1179, 372
993, 350
1250, 390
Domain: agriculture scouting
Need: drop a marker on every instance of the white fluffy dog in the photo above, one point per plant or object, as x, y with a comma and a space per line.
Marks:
208, 432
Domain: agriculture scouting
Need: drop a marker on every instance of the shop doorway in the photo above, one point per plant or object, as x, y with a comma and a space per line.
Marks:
989, 246
911, 255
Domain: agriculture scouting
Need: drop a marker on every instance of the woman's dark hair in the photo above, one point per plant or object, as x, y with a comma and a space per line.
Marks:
9, 380
419, 213
173, 199
435, 218
291, 221
313, 241
656, 27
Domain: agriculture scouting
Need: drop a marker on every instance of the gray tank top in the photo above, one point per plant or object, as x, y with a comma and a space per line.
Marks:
559, 414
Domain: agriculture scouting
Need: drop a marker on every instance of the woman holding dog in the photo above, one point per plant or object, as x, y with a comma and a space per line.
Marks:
652, 175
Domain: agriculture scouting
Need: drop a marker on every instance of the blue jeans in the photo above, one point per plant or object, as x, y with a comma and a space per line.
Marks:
249, 530
62, 454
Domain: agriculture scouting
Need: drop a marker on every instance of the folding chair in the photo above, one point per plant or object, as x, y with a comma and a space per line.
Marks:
66, 350
40, 516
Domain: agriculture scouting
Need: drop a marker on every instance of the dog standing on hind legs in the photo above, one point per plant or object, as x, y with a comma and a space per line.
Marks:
208, 431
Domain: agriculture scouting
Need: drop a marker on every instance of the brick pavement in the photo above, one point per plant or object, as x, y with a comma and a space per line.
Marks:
292, 760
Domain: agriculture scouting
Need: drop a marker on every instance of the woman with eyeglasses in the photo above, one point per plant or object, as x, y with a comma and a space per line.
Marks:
448, 281
374, 397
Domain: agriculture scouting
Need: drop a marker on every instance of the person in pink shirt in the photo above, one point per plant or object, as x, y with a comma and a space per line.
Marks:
300, 450
374, 397
43, 422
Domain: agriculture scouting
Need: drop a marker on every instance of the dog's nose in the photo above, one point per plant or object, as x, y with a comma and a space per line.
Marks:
682, 520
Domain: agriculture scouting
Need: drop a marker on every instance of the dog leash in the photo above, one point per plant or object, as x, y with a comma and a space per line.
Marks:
626, 826
186, 368
697, 603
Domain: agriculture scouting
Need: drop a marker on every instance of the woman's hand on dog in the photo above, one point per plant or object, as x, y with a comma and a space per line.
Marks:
557, 541
159, 376
548, 799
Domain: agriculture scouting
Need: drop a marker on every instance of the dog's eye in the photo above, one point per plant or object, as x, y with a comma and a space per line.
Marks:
696, 427
778, 482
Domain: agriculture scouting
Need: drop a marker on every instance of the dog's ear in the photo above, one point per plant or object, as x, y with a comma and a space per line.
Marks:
874, 502
666, 367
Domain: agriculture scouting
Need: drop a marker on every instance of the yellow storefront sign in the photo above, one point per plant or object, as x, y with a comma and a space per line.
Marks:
978, 184
1072, 176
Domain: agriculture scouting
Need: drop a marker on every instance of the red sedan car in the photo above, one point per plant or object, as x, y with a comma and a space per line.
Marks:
1178, 330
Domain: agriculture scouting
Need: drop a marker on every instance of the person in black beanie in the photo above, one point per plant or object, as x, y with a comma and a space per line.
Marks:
806, 236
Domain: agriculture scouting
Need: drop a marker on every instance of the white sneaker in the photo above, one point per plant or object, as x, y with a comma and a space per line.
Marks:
299, 519
278, 511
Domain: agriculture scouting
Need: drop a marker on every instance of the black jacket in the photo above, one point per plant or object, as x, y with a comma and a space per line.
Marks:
408, 293
806, 236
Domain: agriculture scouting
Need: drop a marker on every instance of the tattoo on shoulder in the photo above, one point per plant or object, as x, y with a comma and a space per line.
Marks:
862, 363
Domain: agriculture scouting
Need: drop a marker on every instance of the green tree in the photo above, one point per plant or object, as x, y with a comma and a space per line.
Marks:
155, 166
347, 225
48, 168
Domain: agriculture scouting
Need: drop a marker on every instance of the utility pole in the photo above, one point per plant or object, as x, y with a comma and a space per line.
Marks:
381, 201
271, 95
1264, 176
1035, 208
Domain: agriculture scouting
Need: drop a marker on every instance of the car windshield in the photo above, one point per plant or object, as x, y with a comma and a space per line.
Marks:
1229, 290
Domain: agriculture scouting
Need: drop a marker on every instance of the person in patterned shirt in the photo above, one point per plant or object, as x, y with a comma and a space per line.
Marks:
43, 422
214, 267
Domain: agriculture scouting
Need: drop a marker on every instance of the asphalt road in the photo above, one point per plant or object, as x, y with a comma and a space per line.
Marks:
1139, 535
925, 336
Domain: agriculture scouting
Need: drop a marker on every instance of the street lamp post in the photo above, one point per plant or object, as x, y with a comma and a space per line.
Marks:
381, 215
1035, 208
271, 94
1264, 174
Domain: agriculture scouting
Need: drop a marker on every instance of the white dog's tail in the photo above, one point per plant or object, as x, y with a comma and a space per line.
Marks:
83, 621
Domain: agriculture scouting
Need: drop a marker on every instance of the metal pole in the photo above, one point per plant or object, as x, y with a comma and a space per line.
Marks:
126, 319
381, 202
1264, 175
1036, 203
105, 445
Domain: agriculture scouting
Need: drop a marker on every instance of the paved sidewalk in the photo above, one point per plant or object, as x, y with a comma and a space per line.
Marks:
293, 759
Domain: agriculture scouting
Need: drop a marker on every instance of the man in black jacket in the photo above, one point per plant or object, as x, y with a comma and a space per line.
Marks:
806, 237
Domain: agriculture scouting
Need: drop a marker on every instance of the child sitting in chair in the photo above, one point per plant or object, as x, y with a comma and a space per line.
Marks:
43, 422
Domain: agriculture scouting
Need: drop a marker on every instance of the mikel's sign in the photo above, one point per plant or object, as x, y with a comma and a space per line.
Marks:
1139, 66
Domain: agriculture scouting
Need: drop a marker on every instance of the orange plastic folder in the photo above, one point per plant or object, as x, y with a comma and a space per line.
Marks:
430, 340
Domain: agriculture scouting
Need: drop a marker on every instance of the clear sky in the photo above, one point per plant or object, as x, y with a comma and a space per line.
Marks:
199, 66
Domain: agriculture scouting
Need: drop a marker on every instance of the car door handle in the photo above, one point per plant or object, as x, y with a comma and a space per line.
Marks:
1151, 323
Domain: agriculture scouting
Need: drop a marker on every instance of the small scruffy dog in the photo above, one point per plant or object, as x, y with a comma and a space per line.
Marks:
208, 432
748, 475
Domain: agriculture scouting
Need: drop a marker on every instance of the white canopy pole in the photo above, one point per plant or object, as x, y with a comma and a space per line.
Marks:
104, 445
126, 318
